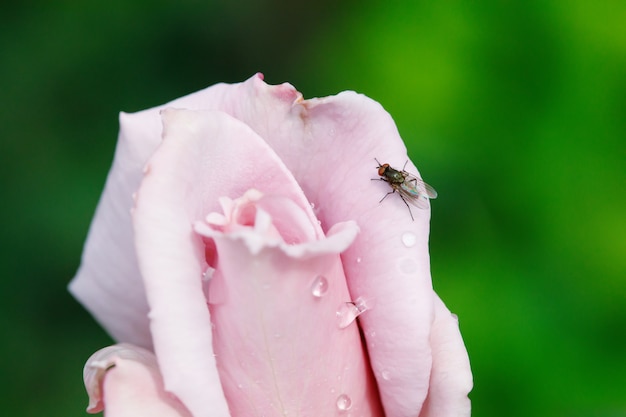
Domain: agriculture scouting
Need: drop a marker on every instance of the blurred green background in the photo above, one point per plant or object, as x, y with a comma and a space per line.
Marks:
514, 111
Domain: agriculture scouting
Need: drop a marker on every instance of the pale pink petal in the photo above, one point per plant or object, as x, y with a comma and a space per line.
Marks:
203, 155
278, 339
108, 282
124, 381
451, 378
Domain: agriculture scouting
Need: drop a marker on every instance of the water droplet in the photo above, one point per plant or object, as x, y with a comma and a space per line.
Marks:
134, 196
386, 375
320, 286
146, 169
409, 239
208, 274
312, 205
358, 260
362, 304
346, 314
344, 402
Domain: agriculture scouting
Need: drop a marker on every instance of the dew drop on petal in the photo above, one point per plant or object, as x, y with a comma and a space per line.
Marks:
386, 375
344, 402
358, 260
208, 274
346, 314
362, 304
320, 286
409, 239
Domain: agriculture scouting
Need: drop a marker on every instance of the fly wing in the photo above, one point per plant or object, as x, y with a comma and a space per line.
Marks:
417, 192
430, 191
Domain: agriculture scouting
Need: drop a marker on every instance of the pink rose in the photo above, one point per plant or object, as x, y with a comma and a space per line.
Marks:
255, 239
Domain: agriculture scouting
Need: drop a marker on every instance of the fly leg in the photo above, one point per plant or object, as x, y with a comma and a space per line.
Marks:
407, 204
399, 193
390, 192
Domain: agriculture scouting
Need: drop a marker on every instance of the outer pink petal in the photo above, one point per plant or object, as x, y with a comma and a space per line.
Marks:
108, 282
451, 378
280, 348
125, 381
389, 262
204, 155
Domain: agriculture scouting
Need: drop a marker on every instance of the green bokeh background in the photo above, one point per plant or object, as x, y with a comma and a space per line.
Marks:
514, 111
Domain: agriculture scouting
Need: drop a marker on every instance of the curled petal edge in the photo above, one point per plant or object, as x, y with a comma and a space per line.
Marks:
339, 237
132, 366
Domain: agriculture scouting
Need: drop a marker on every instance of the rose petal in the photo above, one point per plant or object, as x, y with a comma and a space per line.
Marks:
451, 378
203, 155
108, 282
124, 380
279, 345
